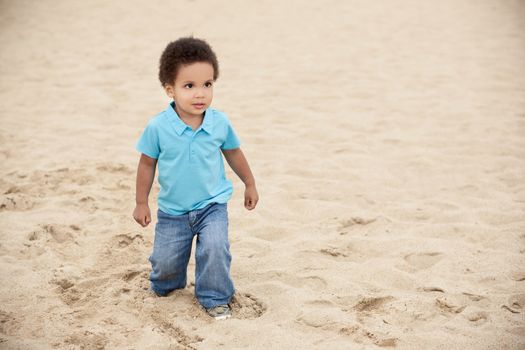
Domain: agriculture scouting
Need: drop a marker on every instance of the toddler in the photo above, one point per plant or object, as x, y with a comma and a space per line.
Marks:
185, 142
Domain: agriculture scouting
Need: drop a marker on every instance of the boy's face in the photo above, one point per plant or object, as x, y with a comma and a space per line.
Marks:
192, 89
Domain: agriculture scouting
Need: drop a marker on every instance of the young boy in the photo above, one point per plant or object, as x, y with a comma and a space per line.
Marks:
185, 141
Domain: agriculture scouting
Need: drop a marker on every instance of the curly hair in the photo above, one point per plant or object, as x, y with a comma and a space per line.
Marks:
185, 51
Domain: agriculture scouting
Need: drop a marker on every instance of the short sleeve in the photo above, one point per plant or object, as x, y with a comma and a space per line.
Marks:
149, 142
232, 141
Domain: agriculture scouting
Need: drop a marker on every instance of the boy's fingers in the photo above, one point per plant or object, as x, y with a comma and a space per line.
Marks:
249, 203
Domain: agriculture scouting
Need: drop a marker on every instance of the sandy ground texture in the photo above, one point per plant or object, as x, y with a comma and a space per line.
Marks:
387, 139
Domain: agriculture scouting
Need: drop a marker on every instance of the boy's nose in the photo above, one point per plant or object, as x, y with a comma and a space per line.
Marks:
199, 92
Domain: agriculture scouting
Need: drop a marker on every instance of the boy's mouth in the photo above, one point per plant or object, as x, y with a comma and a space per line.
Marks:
199, 105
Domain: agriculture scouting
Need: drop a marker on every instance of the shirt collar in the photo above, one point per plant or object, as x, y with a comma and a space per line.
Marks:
180, 126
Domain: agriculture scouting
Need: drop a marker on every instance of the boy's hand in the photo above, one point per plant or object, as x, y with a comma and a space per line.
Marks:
251, 197
142, 214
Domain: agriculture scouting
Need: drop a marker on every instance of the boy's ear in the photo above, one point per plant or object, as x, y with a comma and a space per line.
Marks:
169, 90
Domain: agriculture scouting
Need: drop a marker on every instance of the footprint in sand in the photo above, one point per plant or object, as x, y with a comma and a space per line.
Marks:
56, 233
61, 180
380, 339
67, 291
356, 220
448, 306
130, 275
361, 335
167, 326
329, 316
322, 318
75, 287
478, 317
247, 306
518, 276
87, 340
347, 252
329, 320
87, 203
314, 282
81, 292
127, 247
515, 303
421, 261
125, 239
134, 280
9, 323
367, 304
53, 233
475, 297
40, 240
16, 202
59, 233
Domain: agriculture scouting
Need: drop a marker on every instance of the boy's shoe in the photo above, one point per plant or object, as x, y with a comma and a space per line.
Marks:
220, 312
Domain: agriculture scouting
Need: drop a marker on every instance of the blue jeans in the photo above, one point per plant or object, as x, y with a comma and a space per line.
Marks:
172, 248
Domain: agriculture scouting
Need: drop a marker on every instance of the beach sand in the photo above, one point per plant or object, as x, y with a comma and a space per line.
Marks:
388, 144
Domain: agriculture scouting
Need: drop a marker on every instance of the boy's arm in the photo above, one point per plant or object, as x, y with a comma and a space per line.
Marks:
145, 176
239, 165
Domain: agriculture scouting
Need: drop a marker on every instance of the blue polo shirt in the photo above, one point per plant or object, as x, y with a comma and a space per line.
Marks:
190, 165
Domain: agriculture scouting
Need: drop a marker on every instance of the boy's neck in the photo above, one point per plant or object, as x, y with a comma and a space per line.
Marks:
192, 121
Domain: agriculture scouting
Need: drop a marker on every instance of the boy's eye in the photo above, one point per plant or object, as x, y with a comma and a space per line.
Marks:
189, 85
208, 84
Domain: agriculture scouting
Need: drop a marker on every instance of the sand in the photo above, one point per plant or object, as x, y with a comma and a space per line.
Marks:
387, 140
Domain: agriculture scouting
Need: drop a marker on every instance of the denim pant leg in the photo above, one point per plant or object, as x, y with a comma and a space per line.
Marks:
171, 253
213, 283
